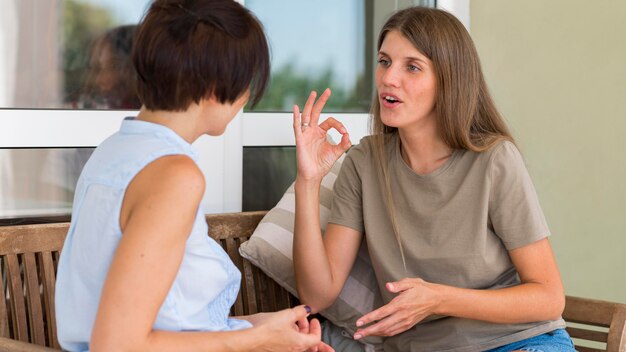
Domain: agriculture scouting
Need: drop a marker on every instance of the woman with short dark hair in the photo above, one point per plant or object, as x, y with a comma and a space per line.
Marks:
138, 271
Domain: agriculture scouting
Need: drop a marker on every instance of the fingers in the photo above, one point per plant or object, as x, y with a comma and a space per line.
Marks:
381, 328
301, 312
315, 328
387, 322
333, 123
374, 315
308, 107
343, 146
297, 123
313, 109
388, 327
310, 332
303, 325
345, 143
325, 348
318, 106
402, 285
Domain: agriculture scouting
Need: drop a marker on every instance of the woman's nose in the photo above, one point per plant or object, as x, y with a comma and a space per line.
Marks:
390, 77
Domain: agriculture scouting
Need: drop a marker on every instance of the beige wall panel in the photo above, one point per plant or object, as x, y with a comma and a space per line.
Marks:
557, 70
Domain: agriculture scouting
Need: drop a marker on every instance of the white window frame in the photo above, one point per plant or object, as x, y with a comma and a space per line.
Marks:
221, 158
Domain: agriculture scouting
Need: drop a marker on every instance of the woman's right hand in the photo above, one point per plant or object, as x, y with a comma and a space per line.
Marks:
314, 153
289, 330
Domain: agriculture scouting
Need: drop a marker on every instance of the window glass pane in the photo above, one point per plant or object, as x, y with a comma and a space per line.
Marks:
267, 172
68, 53
39, 182
74, 53
318, 44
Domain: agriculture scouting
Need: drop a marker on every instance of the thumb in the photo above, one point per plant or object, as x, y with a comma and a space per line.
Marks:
301, 311
315, 328
398, 286
343, 145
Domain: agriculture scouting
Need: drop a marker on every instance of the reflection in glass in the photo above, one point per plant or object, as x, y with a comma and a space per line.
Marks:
39, 182
98, 72
267, 172
67, 53
108, 82
317, 44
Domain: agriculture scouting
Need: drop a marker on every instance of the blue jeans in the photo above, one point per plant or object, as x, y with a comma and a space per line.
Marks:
553, 341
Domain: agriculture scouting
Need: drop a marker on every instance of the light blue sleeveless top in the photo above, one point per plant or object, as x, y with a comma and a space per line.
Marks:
207, 282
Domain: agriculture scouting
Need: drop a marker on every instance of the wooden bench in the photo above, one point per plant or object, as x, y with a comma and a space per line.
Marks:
29, 255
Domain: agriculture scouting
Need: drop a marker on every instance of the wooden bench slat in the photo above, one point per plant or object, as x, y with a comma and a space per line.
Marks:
8, 345
231, 245
261, 289
589, 311
33, 299
4, 314
18, 309
590, 335
617, 333
46, 263
234, 224
587, 349
247, 288
32, 238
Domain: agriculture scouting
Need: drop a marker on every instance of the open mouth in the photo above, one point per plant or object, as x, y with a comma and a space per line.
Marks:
390, 100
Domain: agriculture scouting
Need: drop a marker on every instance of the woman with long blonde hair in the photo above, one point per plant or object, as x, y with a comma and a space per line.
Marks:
440, 192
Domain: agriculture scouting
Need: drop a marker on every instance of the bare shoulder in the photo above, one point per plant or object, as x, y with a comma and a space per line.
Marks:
170, 184
178, 172
174, 174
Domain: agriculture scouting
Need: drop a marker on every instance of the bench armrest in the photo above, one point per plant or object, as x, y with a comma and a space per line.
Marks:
8, 345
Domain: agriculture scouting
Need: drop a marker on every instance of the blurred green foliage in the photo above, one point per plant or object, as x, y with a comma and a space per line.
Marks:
287, 87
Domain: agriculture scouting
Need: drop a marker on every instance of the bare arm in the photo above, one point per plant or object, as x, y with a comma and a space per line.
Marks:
321, 264
157, 215
539, 297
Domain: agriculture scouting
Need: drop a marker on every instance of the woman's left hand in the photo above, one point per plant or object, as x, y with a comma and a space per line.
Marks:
416, 300
303, 326
307, 327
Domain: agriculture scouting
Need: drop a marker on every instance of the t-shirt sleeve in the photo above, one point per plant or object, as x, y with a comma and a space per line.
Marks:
347, 205
514, 208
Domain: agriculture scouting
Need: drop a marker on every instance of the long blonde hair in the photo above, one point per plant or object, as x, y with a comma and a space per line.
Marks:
466, 114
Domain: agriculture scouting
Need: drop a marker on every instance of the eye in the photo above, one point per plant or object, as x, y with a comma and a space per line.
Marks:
413, 68
384, 62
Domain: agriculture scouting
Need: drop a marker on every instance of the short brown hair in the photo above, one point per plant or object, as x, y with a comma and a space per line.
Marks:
187, 50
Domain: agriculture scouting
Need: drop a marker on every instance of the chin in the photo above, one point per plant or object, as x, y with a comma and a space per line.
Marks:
216, 132
391, 120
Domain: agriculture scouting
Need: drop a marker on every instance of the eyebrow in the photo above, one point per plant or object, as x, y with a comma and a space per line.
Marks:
408, 58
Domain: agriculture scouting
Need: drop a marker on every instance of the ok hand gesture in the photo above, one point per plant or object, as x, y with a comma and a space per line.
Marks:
314, 153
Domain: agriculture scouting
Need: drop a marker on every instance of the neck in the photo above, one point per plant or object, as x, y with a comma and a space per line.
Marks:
423, 149
183, 123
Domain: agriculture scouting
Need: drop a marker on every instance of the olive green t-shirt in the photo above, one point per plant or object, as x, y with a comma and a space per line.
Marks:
456, 225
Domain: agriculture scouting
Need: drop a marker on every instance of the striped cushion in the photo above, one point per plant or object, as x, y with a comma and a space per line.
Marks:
270, 249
